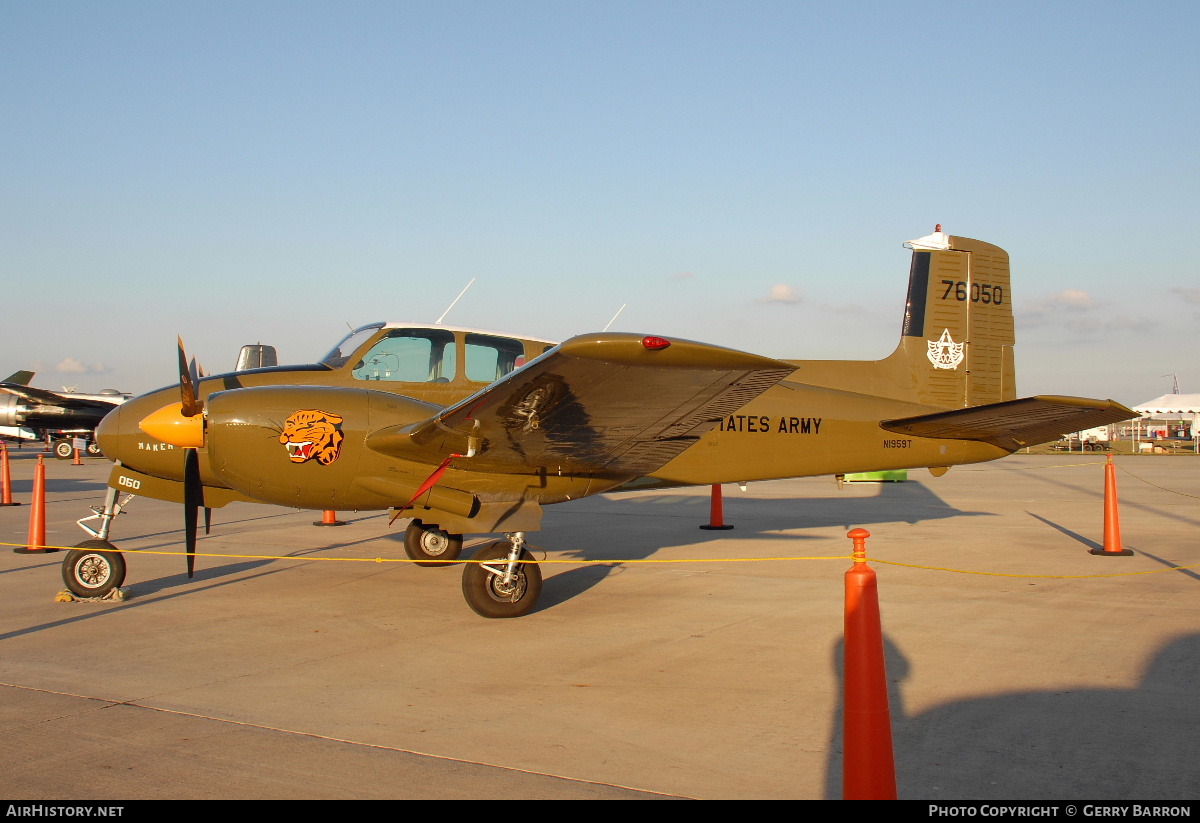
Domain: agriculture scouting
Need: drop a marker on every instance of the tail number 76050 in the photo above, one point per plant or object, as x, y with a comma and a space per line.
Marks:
978, 293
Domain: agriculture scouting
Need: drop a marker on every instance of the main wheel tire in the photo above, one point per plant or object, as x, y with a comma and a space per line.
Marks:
485, 592
93, 450
426, 542
63, 449
89, 572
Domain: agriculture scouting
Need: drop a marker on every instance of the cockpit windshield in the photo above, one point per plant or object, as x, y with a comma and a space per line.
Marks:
339, 354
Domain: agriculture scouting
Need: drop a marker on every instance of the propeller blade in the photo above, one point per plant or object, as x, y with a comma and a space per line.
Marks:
207, 520
193, 499
187, 386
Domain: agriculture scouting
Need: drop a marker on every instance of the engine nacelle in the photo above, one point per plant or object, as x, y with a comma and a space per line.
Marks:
12, 410
305, 446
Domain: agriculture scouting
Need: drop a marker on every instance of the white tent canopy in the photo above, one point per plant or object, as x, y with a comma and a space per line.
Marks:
1172, 415
1170, 405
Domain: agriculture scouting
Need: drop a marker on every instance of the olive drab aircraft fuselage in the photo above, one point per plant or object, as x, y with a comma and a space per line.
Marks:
471, 432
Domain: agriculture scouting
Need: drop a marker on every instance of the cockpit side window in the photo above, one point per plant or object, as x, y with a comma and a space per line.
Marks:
490, 358
410, 356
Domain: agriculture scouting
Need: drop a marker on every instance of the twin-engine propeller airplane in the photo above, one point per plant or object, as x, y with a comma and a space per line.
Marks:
472, 432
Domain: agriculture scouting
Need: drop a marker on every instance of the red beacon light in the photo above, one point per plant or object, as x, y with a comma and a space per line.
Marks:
654, 343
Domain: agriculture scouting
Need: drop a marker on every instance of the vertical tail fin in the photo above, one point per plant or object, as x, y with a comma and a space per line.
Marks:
958, 323
23, 378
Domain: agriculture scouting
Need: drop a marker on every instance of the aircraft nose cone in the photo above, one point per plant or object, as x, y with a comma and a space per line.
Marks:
169, 425
108, 431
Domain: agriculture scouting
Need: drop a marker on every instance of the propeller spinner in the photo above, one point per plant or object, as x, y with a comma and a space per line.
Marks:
182, 424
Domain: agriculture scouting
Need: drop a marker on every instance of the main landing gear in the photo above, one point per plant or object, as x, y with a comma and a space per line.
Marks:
429, 545
505, 582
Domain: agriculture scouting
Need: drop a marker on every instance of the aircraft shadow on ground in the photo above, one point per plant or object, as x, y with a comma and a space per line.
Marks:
139, 591
645, 524
1092, 743
611, 527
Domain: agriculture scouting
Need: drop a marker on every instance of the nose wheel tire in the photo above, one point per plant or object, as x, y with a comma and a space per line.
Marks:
427, 544
486, 591
93, 568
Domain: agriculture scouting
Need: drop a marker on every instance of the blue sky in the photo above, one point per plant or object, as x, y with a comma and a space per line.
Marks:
273, 171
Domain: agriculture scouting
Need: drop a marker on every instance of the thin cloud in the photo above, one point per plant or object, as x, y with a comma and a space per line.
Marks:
782, 294
1190, 296
1051, 308
1068, 300
70, 365
848, 309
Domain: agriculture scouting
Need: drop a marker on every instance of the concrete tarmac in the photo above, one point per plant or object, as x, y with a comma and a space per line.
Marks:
1044, 673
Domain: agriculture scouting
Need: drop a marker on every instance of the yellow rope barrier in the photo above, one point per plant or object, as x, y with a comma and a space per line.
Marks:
577, 562
624, 562
1155, 485
1050, 576
1033, 468
618, 561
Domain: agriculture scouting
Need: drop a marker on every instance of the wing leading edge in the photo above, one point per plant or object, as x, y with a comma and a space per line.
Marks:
1014, 424
598, 404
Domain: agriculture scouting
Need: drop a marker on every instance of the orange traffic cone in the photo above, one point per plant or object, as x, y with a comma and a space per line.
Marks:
1112, 521
329, 518
716, 511
868, 762
5, 478
36, 543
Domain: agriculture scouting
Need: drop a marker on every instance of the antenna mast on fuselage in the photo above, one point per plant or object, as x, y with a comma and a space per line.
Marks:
460, 294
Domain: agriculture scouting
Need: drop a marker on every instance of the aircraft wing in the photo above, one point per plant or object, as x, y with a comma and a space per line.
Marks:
49, 398
598, 404
1014, 424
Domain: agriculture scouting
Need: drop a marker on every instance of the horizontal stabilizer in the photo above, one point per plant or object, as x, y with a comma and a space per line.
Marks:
1014, 424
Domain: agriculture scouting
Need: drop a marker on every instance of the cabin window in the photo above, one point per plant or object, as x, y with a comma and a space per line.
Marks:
410, 356
490, 358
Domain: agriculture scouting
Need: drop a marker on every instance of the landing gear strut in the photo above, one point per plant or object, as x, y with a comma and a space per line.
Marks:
500, 584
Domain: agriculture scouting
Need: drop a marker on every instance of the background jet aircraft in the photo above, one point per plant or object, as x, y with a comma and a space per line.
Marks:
27, 413
63, 415
473, 432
